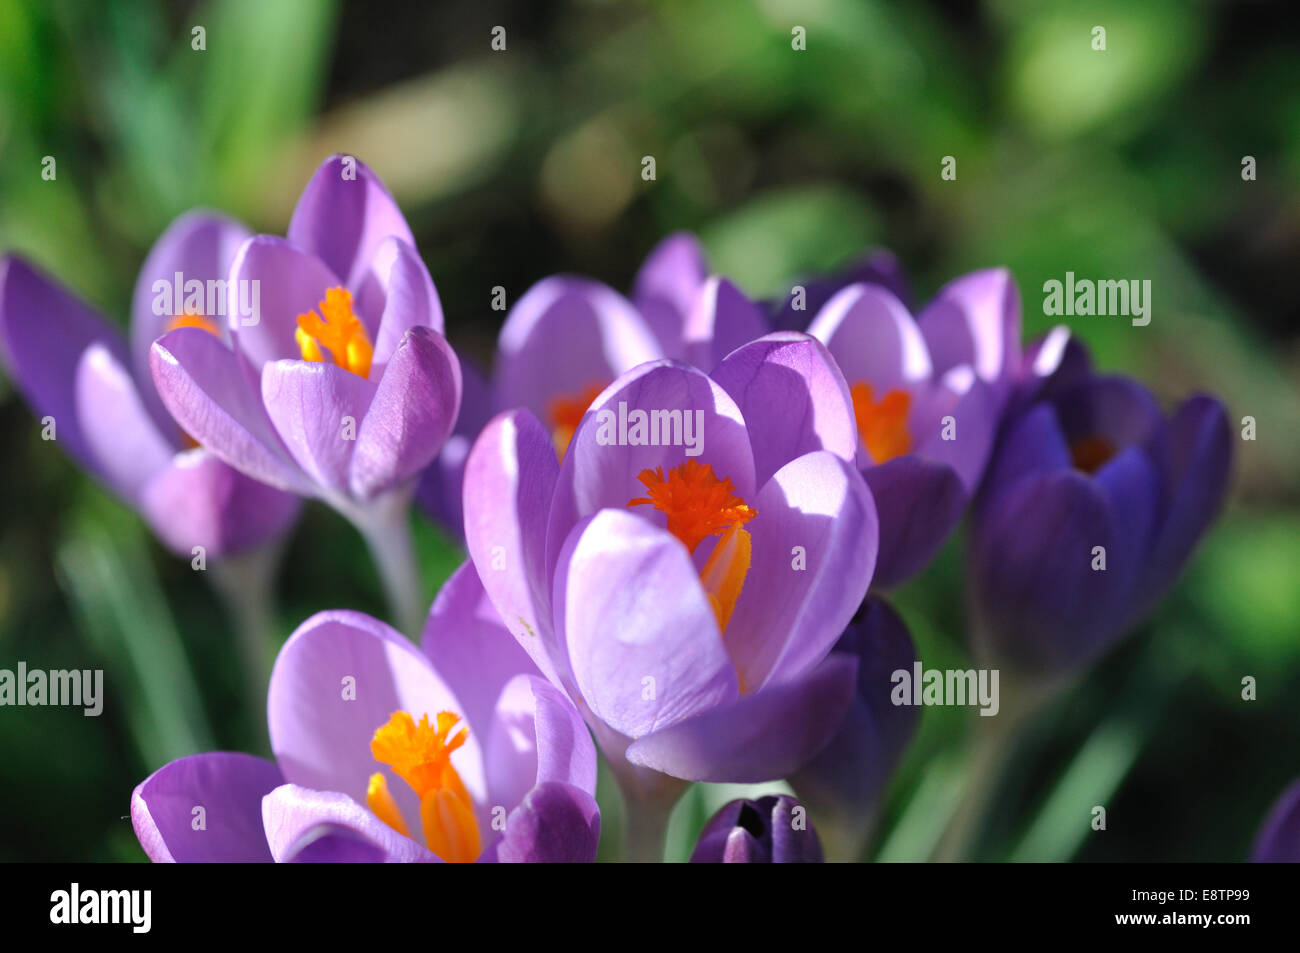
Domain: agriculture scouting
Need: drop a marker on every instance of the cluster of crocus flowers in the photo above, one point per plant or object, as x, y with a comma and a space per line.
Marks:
676, 506
457, 751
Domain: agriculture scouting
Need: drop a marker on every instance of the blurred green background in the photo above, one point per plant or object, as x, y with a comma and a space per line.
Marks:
512, 165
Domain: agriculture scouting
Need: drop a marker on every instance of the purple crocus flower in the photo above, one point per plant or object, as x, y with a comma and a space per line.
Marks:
1092, 503
460, 752
74, 367
342, 387
927, 394
843, 782
774, 829
562, 343
1279, 839
877, 267
686, 589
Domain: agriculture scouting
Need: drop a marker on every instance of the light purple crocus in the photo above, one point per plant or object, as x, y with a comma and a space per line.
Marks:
74, 368
501, 769
342, 386
1278, 841
686, 595
927, 395
774, 829
1092, 503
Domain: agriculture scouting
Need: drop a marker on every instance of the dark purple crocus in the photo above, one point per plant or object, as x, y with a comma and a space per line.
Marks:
1278, 841
843, 782
774, 829
74, 368
383, 752
877, 267
927, 394
1092, 503
685, 589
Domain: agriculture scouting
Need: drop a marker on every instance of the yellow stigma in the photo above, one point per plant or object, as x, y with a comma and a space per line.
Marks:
420, 754
566, 413
882, 426
339, 331
699, 505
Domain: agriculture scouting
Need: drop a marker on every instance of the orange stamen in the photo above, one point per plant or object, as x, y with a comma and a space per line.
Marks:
1089, 454
194, 321
420, 754
340, 331
566, 413
882, 426
699, 505
695, 501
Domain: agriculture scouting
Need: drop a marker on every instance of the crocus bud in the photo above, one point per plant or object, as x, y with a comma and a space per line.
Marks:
772, 830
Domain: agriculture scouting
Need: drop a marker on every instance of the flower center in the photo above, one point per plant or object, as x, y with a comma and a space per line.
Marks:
338, 330
698, 505
420, 754
188, 320
882, 426
1089, 454
566, 413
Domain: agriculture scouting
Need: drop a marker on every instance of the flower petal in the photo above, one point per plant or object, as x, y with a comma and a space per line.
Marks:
118, 429
666, 287
227, 786
343, 215
206, 386
197, 500
1278, 841
873, 338
565, 335
410, 416
796, 373
814, 544
303, 825
509, 482
975, 320
410, 299
555, 823
758, 737
919, 502
720, 320
641, 635
44, 330
317, 410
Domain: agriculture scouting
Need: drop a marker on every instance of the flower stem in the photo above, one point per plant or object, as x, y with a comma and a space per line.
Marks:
245, 585
387, 531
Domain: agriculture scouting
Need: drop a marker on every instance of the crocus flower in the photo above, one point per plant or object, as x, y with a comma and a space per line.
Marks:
1279, 839
927, 394
843, 782
562, 343
774, 829
384, 752
1092, 503
342, 387
74, 367
685, 589
876, 267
